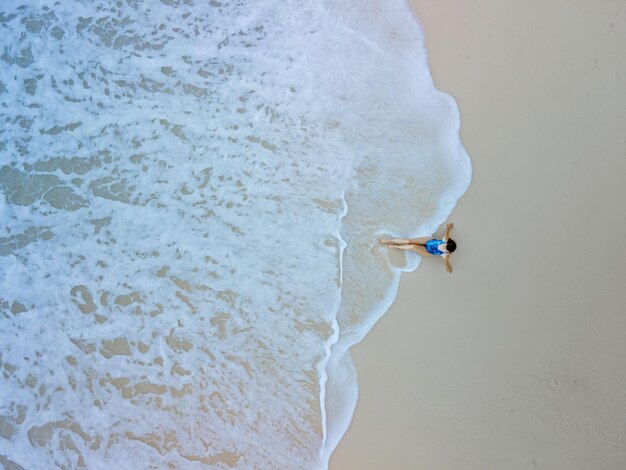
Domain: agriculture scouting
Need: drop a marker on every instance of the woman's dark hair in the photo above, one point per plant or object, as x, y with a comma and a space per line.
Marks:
451, 245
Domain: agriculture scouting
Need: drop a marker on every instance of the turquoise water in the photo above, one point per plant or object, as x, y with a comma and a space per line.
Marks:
192, 194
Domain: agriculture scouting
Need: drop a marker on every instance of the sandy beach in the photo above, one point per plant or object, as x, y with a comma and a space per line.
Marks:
516, 360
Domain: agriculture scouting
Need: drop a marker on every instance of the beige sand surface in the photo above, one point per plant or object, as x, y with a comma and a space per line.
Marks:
518, 359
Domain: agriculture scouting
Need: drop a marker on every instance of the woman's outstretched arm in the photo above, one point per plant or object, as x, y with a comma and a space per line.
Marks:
446, 235
447, 262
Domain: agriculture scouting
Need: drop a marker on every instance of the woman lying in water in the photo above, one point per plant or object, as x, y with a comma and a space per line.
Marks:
427, 246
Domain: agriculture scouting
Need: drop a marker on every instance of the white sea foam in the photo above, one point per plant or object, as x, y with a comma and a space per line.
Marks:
192, 194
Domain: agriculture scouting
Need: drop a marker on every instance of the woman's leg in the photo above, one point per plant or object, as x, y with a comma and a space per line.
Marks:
418, 248
420, 240
406, 241
396, 241
421, 250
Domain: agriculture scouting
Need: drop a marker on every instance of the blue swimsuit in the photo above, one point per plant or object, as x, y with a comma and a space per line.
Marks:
431, 247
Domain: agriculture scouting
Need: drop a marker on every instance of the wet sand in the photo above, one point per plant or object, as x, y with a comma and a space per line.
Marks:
516, 360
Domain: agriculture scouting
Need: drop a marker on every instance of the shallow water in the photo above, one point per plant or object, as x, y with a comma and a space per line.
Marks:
192, 194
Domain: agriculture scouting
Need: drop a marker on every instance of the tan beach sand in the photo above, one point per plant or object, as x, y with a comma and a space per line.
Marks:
518, 359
